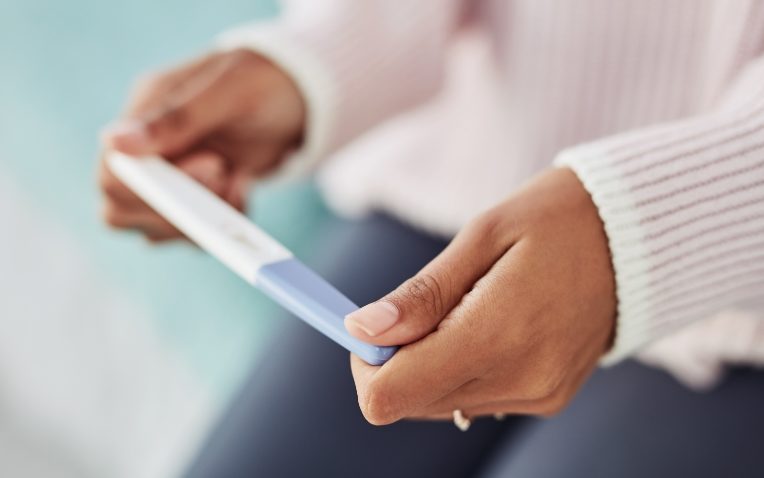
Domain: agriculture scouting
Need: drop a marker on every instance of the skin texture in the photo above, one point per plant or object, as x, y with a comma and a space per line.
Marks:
224, 119
511, 318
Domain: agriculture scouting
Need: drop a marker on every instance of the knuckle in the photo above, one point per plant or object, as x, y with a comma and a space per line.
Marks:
427, 291
487, 222
493, 227
172, 117
242, 57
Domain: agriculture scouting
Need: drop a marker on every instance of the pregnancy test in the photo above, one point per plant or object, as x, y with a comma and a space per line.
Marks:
244, 248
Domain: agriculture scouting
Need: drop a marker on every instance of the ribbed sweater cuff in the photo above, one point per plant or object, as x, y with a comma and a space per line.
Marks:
616, 208
682, 206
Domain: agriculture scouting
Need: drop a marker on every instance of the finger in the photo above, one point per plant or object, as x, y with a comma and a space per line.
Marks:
417, 307
423, 372
433, 418
145, 222
238, 190
208, 169
116, 191
254, 156
472, 397
496, 409
151, 90
124, 210
205, 167
417, 375
162, 237
204, 102
545, 407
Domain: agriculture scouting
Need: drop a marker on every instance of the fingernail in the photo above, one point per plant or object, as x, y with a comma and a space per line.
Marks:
127, 134
374, 318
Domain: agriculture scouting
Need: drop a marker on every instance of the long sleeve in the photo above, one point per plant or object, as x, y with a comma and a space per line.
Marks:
356, 63
683, 208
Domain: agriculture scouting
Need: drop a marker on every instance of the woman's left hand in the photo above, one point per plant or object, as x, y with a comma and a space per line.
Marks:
511, 317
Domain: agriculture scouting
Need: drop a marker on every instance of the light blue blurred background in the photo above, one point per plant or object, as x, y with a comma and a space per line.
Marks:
66, 68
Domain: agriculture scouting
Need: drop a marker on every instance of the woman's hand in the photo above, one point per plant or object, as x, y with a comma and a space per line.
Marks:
224, 119
511, 318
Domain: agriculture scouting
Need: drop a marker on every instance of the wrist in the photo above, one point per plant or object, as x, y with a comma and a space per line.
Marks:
594, 249
272, 98
309, 77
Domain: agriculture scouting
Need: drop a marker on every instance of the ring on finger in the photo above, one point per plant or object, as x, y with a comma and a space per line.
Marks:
461, 421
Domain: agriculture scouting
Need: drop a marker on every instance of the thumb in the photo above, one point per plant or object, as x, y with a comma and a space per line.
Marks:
417, 306
184, 117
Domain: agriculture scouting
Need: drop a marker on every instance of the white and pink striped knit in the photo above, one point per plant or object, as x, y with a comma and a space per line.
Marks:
657, 105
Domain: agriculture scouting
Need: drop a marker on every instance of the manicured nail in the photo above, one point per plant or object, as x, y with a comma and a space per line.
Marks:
130, 135
374, 318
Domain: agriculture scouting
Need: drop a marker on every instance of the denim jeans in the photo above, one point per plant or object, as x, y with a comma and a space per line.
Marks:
297, 415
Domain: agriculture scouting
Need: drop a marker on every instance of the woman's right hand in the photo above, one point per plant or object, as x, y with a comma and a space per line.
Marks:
224, 119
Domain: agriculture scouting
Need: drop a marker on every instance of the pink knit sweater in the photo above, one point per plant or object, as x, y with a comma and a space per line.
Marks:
657, 105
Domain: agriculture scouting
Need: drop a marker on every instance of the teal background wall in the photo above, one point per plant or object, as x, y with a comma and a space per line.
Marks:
65, 70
